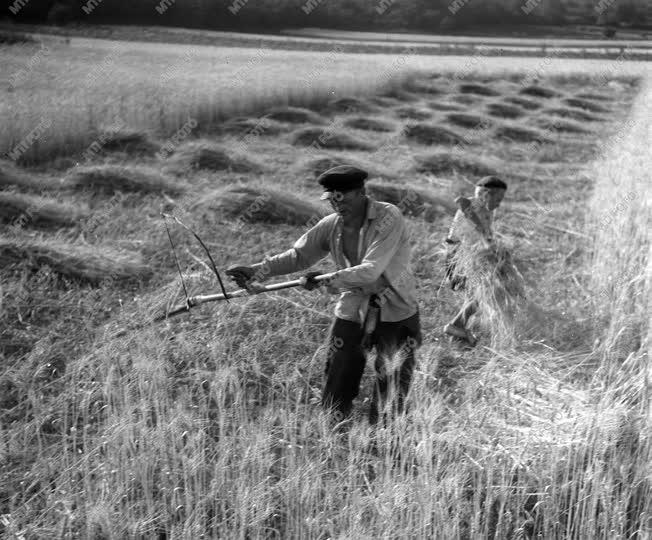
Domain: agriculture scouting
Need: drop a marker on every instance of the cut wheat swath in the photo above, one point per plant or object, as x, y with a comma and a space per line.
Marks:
494, 282
28, 210
90, 264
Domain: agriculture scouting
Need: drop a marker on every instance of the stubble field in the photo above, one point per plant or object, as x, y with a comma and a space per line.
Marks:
209, 424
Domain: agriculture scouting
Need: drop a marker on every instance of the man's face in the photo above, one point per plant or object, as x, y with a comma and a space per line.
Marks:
348, 203
491, 197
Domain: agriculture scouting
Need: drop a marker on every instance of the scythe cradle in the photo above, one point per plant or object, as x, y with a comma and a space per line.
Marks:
193, 301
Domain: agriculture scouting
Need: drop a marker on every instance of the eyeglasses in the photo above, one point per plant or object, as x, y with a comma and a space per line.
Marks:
336, 196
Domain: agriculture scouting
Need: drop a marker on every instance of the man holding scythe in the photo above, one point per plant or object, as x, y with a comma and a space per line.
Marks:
369, 243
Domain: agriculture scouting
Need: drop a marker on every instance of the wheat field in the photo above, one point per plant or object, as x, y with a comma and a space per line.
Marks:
208, 425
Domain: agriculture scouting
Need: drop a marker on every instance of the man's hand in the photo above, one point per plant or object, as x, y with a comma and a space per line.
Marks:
241, 275
308, 281
463, 203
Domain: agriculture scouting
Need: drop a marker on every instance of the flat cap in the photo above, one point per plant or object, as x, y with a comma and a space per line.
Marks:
341, 178
491, 182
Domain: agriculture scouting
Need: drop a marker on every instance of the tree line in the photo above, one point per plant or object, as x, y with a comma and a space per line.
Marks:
243, 15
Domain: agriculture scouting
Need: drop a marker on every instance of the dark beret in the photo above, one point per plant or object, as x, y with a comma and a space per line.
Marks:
342, 178
492, 182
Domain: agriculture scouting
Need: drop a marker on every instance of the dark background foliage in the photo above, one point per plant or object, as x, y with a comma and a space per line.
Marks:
270, 15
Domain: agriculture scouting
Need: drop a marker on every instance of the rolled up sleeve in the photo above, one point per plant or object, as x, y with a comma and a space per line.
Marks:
307, 250
379, 253
453, 232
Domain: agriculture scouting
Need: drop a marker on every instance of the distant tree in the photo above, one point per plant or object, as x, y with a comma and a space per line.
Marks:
272, 15
64, 12
28, 10
555, 11
630, 13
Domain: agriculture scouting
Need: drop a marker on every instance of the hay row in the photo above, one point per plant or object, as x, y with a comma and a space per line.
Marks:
443, 106
10, 175
539, 91
400, 95
254, 127
478, 89
261, 205
295, 115
204, 155
526, 103
516, 133
314, 167
383, 101
503, 110
594, 97
27, 210
412, 201
445, 163
586, 105
369, 124
561, 125
465, 99
423, 87
573, 114
469, 121
126, 141
412, 113
88, 264
328, 138
112, 178
429, 134
350, 105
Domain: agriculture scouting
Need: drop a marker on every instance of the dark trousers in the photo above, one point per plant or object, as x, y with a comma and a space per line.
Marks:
395, 344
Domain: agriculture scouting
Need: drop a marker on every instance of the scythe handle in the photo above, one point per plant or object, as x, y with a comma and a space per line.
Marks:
176, 311
203, 299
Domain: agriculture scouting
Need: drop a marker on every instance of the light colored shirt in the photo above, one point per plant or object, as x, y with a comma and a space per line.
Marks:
463, 229
384, 269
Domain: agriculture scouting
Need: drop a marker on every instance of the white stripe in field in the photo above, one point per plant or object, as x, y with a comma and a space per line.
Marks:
310, 61
384, 37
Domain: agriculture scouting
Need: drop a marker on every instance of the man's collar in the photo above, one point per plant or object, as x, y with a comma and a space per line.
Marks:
370, 213
372, 210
